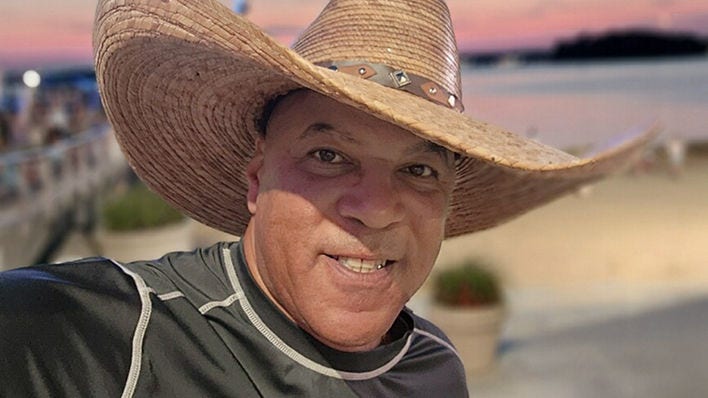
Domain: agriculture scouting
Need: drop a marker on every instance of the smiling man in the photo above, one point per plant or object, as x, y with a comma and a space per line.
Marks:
357, 207
342, 163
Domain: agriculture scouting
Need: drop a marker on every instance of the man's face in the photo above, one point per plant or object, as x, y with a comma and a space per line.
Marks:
348, 217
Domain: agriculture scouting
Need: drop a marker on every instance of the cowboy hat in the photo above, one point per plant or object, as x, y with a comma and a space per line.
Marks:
185, 84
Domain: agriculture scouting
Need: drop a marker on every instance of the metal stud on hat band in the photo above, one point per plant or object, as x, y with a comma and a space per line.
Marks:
398, 79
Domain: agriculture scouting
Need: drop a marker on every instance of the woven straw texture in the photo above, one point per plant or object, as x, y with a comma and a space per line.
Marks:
184, 83
415, 36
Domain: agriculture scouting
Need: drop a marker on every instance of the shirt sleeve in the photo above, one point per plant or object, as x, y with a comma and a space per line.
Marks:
65, 330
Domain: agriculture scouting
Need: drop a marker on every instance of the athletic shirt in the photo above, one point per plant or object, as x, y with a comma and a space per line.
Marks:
193, 324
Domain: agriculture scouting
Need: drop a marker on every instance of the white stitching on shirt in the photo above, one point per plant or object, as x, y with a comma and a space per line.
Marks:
170, 295
292, 353
204, 308
437, 340
223, 303
139, 334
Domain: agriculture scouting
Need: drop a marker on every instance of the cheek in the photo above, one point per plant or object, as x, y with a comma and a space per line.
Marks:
428, 218
283, 222
428, 209
281, 210
287, 176
292, 207
293, 221
303, 195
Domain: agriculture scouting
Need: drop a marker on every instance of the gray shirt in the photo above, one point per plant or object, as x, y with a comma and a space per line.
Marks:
193, 324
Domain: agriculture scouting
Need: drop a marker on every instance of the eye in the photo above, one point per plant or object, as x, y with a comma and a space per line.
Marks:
421, 170
327, 156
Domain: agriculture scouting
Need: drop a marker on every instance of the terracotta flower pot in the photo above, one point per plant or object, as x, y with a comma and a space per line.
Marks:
475, 332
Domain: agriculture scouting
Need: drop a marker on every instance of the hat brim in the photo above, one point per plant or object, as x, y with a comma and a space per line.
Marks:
185, 82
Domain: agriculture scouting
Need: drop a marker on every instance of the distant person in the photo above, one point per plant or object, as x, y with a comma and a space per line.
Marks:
8, 184
342, 164
53, 135
532, 132
5, 131
675, 148
79, 117
57, 116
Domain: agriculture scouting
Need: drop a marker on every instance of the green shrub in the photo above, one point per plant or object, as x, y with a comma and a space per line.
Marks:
138, 208
469, 283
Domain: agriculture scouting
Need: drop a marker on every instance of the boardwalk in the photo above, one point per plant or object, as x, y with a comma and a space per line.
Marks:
44, 190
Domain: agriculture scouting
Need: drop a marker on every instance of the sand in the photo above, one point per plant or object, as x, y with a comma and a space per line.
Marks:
628, 233
627, 227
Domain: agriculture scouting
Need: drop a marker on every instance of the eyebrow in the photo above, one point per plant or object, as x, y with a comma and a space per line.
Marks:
423, 146
327, 129
428, 146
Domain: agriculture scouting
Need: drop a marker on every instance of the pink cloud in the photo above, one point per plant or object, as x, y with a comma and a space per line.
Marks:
65, 27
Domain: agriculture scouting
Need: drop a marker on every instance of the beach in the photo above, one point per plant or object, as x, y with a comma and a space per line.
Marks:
631, 229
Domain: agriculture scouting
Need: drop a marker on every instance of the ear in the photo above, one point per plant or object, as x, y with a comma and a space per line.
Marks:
253, 175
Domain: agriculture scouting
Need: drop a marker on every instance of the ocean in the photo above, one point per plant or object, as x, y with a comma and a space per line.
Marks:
571, 104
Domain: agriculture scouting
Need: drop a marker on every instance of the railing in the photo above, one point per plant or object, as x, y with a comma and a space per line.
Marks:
39, 185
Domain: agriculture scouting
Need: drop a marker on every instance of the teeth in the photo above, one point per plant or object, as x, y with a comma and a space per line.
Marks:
359, 265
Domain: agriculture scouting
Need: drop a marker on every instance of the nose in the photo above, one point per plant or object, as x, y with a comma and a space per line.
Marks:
373, 201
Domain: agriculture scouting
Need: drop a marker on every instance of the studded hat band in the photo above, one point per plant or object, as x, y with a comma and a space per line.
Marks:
399, 79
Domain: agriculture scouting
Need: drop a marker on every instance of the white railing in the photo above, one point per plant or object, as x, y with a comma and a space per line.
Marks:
39, 185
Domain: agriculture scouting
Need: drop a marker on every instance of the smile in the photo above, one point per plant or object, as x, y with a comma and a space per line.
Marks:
361, 265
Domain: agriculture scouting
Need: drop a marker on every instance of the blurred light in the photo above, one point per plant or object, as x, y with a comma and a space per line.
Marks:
240, 6
31, 78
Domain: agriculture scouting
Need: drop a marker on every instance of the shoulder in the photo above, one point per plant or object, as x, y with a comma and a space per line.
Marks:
65, 323
49, 286
54, 288
200, 275
432, 334
435, 359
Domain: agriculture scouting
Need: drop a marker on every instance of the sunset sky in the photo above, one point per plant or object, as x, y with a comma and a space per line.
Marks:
40, 32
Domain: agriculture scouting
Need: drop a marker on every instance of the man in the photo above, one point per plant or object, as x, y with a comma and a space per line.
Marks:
342, 164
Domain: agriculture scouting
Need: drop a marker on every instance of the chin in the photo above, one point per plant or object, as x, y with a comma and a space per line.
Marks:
355, 332
354, 343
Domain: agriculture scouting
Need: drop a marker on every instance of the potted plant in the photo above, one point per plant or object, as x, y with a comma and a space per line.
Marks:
468, 306
137, 224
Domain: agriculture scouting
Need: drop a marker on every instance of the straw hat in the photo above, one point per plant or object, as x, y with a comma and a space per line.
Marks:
185, 84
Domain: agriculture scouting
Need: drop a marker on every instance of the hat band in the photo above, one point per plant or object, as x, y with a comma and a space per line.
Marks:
398, 79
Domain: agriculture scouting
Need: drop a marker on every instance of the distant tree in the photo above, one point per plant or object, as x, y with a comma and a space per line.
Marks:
632, 43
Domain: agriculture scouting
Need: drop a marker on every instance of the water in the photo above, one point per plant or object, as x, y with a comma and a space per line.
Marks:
573, 104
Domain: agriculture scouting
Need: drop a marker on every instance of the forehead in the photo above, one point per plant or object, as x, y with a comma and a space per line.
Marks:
304, 114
